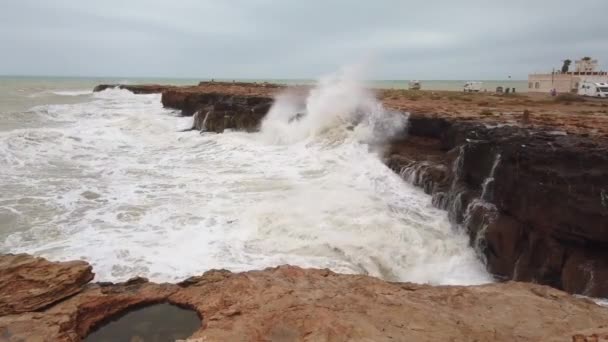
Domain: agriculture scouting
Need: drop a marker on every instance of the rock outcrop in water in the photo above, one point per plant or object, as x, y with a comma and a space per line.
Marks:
215, 106
289, 303
217, 112
135, 88
219, 106
533, 197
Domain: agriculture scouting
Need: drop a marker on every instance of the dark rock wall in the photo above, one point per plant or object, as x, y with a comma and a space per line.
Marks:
221, 111
543, 216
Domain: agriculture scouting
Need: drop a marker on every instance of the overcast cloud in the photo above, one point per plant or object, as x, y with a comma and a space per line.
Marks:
484, 39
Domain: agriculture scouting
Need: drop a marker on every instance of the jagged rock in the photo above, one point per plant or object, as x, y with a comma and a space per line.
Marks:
232, 99
28, 283
547, 189
295, 304
217, 112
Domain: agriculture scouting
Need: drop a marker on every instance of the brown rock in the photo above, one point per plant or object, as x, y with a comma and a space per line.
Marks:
28, 283
586, 272
289, 303
525, 118
547, 187
504, 239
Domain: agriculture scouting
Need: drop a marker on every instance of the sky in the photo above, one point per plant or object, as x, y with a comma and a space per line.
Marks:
282, 39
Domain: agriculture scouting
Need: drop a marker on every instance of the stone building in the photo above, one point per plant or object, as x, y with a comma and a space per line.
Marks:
585, 70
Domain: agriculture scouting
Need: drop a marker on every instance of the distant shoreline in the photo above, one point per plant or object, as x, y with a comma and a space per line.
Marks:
433, 85
223, 79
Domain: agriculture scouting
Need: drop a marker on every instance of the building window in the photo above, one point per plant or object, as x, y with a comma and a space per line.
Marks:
530, 85
537, 85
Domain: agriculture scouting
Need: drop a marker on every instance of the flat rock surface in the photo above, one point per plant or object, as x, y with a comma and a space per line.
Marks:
28, 283
288, 303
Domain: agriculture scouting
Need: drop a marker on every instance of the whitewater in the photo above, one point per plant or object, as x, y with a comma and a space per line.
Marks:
110, 178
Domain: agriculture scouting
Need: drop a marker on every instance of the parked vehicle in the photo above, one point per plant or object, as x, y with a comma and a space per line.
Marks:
415, 85
470, 87
593, 89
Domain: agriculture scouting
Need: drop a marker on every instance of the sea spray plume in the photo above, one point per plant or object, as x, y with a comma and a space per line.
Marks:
288, 107
338, 104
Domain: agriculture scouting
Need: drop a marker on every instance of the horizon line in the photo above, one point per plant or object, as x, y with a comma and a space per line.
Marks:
245, 78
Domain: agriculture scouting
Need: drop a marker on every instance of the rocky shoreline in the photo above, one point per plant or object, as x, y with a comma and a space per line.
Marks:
530, 190
50, 301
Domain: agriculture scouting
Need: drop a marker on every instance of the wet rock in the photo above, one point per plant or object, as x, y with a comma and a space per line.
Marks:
191, 100
546, 188
541, 260
504, 239
102, 87
28, 283
586, 272
230, 105
90, 195
218, 112
289, 302
136, 89
174, 99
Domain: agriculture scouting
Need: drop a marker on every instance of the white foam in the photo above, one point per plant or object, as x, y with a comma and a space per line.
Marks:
113, 182
47, 93
73, 92
339, 102
601, 301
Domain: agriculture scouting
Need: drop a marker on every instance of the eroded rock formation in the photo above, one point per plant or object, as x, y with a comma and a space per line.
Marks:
289, 303
29, 284
220, 106
531, 199
217, 112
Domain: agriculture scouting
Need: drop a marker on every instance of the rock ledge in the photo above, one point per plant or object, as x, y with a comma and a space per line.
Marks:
289, 303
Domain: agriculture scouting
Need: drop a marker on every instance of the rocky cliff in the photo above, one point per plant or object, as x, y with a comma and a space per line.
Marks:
217, 106
289, 303
533, 200
219, 111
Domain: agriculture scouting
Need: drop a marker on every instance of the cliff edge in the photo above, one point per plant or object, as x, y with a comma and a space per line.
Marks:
288, 303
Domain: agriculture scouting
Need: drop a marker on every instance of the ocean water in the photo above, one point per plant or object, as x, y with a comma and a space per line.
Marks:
109, 178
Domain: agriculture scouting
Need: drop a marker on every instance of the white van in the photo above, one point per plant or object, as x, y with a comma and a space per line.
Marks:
470, 87
593, 89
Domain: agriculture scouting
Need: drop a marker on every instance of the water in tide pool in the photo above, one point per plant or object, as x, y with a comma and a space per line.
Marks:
109, 178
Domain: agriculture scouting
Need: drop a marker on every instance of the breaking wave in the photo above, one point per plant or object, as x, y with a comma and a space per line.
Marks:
339, 103
111, 180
